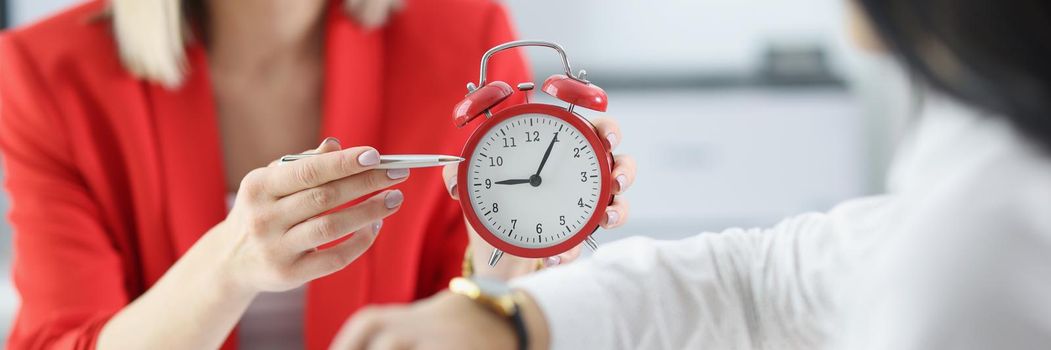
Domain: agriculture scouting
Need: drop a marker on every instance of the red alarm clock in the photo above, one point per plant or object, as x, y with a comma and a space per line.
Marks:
537, 177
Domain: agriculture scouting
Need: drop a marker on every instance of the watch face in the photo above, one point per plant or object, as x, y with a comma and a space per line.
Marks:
534, 180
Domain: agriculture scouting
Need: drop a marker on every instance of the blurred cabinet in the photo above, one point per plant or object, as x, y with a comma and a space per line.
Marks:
672, 38
715, 158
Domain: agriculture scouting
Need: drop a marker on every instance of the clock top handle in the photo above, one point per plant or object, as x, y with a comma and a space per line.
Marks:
519, 43
574, 89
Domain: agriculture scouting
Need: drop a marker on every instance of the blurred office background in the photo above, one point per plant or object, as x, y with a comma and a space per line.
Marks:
739, 112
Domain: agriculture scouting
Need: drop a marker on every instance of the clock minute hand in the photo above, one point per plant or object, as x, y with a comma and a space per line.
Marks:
512, 182
547, 154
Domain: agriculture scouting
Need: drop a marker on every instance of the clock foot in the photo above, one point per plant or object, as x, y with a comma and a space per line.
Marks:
590, 241
495, 258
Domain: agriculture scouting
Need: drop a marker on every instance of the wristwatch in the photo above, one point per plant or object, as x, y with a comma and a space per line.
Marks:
496, 297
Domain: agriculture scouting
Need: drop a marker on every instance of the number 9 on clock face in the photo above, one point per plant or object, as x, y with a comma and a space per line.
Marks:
534, 182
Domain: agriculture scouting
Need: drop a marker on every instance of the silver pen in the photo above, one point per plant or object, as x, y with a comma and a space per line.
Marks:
395, 161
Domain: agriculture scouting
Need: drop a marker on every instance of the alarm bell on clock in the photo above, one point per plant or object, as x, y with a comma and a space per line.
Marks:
537, 177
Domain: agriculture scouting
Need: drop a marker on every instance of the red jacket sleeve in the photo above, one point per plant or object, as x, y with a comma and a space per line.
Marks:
66, 269
509, 66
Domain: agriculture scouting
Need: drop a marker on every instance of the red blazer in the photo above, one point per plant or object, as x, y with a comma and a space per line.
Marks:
112, 179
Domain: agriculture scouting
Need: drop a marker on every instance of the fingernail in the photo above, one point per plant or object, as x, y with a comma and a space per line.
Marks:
622, 181
552, 261
393, 199
395, 174
376, 226
369, 158
327, 140
612, 138
612, 217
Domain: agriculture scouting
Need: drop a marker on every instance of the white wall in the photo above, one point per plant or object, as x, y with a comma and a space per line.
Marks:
25, 11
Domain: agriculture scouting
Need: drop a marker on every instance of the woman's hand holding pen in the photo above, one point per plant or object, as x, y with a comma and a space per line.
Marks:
268, 242
276, 223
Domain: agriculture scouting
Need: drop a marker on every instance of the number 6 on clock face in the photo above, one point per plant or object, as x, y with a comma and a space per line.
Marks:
537, 180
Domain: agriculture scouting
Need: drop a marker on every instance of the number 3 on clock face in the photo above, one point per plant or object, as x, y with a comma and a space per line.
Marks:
535, 181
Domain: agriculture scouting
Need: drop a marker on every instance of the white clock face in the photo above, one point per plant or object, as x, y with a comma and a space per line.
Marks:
524, 199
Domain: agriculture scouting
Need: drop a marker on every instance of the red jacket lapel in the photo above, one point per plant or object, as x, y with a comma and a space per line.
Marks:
191, 155
353, 81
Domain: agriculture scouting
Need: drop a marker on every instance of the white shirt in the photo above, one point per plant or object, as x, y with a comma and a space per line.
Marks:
957, 256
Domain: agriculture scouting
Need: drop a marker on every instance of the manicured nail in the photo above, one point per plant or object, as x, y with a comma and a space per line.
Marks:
395, 174
552, 261
393, 199
328, 140
376, 226
612, 138
622, 181
612, 217
369, 158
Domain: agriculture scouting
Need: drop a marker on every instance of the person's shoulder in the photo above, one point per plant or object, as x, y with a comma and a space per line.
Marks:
980, 224
969, 249
468, 14
994, 213
977, 180
967, 260
451, 23
1006, 190
448, 36
76, 37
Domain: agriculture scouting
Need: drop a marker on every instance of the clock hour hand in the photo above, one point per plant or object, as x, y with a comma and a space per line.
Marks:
512, 182
546, 154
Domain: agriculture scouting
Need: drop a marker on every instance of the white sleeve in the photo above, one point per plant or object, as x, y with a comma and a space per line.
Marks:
735, 289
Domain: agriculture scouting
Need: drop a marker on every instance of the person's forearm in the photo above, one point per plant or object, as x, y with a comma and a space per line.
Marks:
194, 305
535, 323
692, 292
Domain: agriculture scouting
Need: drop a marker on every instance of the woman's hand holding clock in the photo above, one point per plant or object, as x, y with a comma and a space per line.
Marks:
616, 213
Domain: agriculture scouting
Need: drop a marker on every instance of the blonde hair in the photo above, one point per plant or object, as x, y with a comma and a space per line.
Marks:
152, 35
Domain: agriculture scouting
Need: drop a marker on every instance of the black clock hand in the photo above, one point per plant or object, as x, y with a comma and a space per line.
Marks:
546, 154
512, 182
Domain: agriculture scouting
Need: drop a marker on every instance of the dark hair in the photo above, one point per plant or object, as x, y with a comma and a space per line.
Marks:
992, 54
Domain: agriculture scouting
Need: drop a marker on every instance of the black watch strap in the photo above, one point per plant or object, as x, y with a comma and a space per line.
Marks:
520, 329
